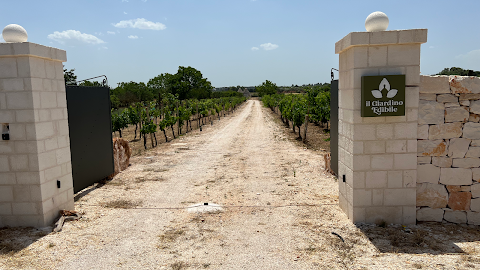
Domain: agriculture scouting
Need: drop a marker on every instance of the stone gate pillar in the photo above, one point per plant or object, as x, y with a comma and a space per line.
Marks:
378, 155
35, 169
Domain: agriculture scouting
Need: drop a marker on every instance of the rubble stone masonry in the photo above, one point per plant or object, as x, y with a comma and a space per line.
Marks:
448, 149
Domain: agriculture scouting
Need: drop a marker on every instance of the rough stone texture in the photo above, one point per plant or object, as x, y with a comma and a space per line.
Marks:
471, 131
424, 160
428, 173
469, 97
445, 131
422, 132
456, 114
466, 162
435, 148
475, 191
429, 214
455, 216
475, 205
446, 98
432, 195
476, 174
473, 218
430, 112
464, 103
475, 106
464, 84
447, 105
451, 188
434, 84
459, 201
453, 144
458, 147
474, 118
443, 162
473, 152
121, 155
455, 176
428, 96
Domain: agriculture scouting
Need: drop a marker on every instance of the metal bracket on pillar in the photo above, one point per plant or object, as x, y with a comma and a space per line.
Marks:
331, 73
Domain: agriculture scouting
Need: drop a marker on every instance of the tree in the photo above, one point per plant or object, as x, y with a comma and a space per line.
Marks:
189, 83
266, 88
160, 85
458, 71
131, 92
70, 77
89, 83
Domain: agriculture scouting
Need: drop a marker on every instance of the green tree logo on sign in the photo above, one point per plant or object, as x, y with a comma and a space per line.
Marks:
384, 85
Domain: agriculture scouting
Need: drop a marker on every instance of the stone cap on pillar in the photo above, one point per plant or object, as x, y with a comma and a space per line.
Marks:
381, 38
32, 49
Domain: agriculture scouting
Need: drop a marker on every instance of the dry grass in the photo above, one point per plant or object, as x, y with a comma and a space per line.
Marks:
122, 204
178, 265
171, 235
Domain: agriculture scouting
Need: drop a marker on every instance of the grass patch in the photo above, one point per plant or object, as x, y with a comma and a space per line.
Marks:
122, 204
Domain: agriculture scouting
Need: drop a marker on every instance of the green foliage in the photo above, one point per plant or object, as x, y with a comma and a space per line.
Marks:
131, 92
70, 77
148, 127
89, 83
294, 107
119, 122
458, 71
226, 94
266, 88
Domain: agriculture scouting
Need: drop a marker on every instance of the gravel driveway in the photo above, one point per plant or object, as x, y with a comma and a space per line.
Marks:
279, 212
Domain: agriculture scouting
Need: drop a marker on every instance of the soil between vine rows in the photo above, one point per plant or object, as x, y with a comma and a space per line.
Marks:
280, 212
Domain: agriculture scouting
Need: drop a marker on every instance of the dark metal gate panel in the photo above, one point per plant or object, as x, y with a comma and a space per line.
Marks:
334, 126
90, 127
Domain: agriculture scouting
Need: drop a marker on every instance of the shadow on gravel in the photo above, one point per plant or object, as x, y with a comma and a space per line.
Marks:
424, 238
13, 240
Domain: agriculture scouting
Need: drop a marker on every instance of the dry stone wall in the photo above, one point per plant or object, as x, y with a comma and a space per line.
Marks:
448, 146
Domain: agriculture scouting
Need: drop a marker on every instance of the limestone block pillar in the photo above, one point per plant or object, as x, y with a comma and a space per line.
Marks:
378, 155
35, 169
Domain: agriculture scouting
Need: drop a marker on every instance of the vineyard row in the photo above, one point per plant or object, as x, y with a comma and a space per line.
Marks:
297, 109
159, 115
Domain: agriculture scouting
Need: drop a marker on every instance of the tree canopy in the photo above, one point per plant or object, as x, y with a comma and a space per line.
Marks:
266, 88
70, 77
458, 71
187, 83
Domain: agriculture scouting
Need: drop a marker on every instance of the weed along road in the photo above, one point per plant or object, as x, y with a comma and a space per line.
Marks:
274, 207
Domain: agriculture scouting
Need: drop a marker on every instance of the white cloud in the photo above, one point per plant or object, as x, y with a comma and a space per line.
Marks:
125, 13
469, 60
470, 55
110, 32
133, 37
74, 35
255, 49
140, 23
124, 1
269, 46
431, 47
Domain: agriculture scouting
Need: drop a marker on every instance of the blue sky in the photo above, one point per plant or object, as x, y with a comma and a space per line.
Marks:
234, 42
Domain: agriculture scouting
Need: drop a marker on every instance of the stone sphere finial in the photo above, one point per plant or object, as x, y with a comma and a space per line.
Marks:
376, 21
14, 33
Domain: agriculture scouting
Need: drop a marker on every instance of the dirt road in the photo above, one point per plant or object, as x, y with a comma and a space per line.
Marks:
279, 210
